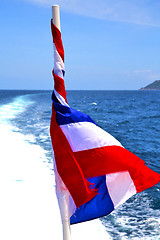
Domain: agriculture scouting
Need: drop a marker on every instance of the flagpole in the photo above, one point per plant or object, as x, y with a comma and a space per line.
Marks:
63, 199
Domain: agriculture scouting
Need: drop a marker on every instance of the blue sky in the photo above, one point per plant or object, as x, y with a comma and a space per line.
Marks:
109, 44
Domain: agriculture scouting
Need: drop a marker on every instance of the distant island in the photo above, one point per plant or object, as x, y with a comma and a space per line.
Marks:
153, 86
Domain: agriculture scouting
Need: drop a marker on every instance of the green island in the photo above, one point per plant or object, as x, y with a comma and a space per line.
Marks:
152, 86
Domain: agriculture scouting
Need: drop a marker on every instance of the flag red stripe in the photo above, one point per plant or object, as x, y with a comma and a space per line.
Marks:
59, 86
68, 167
111, 159
57, 40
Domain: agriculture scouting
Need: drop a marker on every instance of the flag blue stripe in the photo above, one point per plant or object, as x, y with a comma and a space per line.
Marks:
67, 115
99, 206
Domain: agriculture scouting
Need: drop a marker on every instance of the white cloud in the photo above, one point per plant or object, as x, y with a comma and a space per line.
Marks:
143, 71
148, 74
155, 76
144, 12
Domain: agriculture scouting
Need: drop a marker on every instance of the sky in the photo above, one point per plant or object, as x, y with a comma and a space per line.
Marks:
109, 44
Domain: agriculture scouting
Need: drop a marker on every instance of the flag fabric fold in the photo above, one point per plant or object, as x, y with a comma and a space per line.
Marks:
97, 171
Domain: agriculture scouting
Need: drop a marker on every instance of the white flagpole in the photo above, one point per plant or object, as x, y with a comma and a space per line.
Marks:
63, 198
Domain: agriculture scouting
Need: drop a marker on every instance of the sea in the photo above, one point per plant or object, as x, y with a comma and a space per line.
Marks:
28, 203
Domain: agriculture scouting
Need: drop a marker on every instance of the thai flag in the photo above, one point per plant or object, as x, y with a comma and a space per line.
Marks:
93, 170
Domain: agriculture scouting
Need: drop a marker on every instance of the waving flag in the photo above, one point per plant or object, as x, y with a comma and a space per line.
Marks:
96, 171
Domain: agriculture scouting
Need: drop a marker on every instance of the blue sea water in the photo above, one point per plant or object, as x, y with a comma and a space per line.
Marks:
132, 117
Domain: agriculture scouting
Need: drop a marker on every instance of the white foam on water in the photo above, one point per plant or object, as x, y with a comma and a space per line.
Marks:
28, 208
28, 204
93, 230
134, 220
11, 110
93, 103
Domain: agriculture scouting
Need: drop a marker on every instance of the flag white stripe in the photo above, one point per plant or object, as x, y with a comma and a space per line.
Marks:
86, 135
120, 187
58, 64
